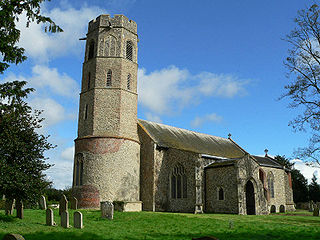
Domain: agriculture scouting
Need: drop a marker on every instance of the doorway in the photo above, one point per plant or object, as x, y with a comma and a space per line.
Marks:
250, 201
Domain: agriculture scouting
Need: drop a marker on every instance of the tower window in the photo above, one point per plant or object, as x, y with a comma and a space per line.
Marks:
178, 182
85, 112
129, 81
129, 50
79, 169
89, 79
91, 50
221, 194
109, 78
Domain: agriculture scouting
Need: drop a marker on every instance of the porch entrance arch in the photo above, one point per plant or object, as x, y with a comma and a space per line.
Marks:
250, 201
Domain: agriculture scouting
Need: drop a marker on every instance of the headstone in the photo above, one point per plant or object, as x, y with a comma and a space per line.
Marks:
19, 207
9, 204
49, 217
311, 206
78, 220
316, 211
74, 203
43, 203
12, 236
230, 224
107, 210
63, 204
65, 219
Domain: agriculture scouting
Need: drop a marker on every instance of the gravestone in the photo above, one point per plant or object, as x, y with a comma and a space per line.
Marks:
65, 219
107, 210
316, 211
19, 207
12, 236
311, 206
63, 204
74, 203
43, 203
78, 220
9, 204
49, 217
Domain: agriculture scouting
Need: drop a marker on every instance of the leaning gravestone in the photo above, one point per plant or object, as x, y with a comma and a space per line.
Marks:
65, 219
49, 217
43, 203
12, 236
19, 207
74, 203
107, 210
9, 204
316, 211
63, 204
78, 220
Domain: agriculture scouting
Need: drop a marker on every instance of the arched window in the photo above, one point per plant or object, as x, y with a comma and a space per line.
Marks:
89, 79
221, 194
85, 112
109, 78
79, 169
271, 184
178, 182
129, 81
91, 50
129, 50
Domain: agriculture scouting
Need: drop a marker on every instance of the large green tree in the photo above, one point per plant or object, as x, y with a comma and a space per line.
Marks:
299, 182
10, 12
22, 148
314, 189
303, 64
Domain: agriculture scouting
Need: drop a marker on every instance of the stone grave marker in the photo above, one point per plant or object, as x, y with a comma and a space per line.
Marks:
65, 219
19, 207
9, 204
49, 217
12, 236
107, 210
43, 203
316, 211
63, 204
78, 220
74, 203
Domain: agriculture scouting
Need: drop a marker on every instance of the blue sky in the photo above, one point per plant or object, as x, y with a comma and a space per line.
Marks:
212, 66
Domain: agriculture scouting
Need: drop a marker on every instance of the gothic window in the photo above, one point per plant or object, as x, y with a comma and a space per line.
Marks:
91, 50
85, 112
129, 81
129, 50
89, 79
221, 194
271, 184
79, 169
109, 78
178, 182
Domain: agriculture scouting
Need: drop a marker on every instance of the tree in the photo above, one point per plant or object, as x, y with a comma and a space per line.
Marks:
22, 148
314, 189
10, 11
303, 64
299, 182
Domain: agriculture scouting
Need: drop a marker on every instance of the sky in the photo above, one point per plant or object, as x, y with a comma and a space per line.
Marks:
211, 66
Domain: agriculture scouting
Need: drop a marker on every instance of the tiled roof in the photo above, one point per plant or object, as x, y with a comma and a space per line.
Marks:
267, 161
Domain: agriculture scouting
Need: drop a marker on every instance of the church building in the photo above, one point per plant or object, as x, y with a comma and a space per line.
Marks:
143, 165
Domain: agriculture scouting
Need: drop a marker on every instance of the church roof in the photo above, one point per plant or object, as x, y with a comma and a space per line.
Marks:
168, 136
267, 161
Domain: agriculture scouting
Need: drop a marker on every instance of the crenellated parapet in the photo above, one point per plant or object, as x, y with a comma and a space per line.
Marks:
118, 21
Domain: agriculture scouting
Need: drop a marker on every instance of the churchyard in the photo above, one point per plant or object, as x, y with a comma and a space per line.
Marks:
155, 225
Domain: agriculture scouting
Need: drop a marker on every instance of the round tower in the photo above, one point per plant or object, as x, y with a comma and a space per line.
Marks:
107, 149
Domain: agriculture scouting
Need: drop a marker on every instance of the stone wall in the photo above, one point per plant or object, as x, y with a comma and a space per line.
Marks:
221, 177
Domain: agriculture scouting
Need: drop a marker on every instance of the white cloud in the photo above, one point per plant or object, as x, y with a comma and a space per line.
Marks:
199, 121
43, 46
68, 154
153, 118
162, 90
307, 171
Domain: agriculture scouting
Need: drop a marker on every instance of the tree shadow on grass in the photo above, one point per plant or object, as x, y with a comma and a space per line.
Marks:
7, 218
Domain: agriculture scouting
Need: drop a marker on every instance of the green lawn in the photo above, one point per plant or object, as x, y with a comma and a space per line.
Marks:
149, 225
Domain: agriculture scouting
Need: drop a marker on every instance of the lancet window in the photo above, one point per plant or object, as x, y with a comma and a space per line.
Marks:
109, 78
79, 169
129, 50
129, 81
178, 182
271, 184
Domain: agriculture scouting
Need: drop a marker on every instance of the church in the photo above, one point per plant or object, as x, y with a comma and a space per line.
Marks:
142, 165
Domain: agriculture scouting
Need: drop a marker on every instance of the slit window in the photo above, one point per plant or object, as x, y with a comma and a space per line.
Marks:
221, 194
79, 169
91, 50
129, 50
109, 78
85, 112
129, 82
89, 80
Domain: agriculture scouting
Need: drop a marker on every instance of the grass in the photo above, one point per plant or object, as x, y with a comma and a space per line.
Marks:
150, 225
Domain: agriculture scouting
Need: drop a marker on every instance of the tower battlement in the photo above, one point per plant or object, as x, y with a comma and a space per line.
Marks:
117, 21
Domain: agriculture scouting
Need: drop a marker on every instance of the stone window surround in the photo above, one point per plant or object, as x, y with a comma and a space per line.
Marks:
218, 195
178, 170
